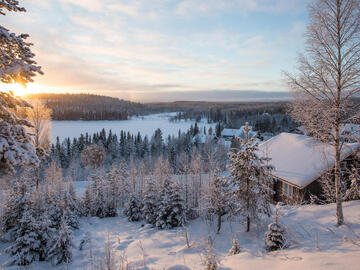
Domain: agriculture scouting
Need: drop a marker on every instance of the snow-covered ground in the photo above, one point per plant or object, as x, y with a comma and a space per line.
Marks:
146, 125
317, 243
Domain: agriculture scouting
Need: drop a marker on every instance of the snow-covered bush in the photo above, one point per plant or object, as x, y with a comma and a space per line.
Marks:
353, 193
235, 248
209, 259
93, 156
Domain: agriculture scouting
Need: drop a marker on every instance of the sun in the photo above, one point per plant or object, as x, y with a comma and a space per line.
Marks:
18, 89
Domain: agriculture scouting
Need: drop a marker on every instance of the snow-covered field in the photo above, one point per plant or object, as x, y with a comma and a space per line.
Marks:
317, 243
146, 125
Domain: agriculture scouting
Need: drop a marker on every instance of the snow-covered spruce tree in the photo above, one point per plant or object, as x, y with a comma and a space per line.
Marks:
16, 66
149, 210
87, 202
217, 200
171, 209
24, 250
16, 145
275, 237
98, 194
133, 208
60, 251
235, 248
251, 181
45, 230
18, 197
71, 210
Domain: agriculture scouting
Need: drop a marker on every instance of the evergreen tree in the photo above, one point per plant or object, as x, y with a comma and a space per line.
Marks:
149, 209
25, 249
171, 207
251, 180
218, 200
133, 209
275, 237
61, 249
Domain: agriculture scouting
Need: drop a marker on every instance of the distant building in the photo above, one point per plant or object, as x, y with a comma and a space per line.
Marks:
229, 134
299, 162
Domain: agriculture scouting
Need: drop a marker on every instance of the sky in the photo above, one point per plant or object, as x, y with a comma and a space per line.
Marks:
163, 50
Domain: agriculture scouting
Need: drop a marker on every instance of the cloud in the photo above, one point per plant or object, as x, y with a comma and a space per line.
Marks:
191, 7
134, 48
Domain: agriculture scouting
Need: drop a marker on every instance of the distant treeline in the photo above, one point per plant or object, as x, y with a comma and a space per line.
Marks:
89, 107
96, 107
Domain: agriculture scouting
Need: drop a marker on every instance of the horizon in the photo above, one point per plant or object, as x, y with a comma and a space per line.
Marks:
165, 52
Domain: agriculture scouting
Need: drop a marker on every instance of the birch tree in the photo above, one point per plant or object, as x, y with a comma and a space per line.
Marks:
327, 80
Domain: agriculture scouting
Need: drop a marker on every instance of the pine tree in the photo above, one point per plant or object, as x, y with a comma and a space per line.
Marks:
17, 66
24, 250
171, 210
15, 204
60, 252
149, 209
217, 200
275, 237
133, 208
249, 176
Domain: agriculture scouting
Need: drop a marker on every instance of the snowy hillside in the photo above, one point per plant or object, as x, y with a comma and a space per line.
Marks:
316, 243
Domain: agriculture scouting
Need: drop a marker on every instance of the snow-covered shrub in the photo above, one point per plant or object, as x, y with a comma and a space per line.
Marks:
133, 208
235, 249
275, 237
353, 193
209, 259
93, 156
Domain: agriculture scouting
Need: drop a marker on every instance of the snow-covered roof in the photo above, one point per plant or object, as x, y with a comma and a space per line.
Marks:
299, 159
228, 132
348, 129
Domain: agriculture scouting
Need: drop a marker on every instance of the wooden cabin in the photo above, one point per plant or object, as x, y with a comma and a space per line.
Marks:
299, 161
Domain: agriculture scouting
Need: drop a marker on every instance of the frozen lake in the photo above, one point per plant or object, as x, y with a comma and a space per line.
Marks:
146, 125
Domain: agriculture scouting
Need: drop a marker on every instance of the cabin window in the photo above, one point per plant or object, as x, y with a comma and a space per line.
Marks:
287, 189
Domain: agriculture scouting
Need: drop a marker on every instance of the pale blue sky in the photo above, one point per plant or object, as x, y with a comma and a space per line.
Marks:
148, 49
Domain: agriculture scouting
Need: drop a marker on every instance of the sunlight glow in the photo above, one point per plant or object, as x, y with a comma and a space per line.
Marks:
19, 90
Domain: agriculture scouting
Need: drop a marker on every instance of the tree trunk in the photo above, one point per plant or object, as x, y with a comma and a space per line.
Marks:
247, 224
339, 211
218, 224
